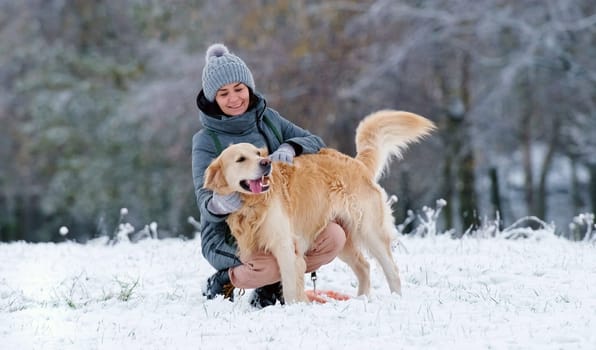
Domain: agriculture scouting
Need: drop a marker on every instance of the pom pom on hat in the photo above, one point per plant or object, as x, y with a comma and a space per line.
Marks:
216, 50
222, 68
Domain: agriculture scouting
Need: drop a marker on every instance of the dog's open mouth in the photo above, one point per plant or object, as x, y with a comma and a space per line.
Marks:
257, 185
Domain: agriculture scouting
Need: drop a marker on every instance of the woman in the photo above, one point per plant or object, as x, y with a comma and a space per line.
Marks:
232, 111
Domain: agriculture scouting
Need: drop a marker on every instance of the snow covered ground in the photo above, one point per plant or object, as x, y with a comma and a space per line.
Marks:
473, 293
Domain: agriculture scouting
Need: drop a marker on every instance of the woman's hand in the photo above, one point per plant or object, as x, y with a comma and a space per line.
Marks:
285, 153
224, 204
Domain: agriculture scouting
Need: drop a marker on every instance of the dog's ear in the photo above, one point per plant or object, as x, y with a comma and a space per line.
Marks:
214, 179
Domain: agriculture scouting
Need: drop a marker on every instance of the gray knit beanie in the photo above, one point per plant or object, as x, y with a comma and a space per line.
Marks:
221, 68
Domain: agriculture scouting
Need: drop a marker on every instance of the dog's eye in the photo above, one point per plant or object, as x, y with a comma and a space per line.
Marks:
240, 159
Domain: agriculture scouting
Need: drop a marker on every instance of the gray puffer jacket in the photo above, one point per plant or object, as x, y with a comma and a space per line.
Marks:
218, 245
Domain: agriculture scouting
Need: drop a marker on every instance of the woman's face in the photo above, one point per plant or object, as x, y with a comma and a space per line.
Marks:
233, 99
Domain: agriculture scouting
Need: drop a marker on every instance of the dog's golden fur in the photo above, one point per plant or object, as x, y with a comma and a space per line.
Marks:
285, 206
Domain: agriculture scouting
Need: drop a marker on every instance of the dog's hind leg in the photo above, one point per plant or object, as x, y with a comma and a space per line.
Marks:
379, 245
352, 256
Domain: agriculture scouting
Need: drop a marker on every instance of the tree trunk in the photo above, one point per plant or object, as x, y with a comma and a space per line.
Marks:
592, 170
448, 191
540, 206
8, 227
467, 164
468, 207
495, 195
404, 198
460, 164
526, 144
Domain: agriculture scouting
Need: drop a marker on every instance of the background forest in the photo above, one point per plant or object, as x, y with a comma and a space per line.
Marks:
97, 103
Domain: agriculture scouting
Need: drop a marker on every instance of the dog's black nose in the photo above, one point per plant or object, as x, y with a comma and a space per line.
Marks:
265, 164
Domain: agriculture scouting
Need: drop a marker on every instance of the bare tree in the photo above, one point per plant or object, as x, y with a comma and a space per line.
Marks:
522, 57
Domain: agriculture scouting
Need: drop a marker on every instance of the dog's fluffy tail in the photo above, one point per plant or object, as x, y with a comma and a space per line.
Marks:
386, 134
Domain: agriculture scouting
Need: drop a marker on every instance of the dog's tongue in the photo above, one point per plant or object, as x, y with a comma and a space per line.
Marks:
255, 186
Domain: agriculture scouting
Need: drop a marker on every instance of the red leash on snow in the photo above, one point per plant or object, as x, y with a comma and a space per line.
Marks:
323, 296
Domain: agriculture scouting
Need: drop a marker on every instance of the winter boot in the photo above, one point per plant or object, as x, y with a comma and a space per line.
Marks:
219, 284
267, 296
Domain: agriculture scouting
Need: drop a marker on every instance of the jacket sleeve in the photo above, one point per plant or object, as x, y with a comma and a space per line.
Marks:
202, 155
301, 139
217, 247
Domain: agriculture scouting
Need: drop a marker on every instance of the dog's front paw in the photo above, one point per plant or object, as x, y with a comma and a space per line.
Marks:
302, 297
299, 297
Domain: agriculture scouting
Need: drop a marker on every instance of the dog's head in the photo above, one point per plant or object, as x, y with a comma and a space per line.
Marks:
241, 167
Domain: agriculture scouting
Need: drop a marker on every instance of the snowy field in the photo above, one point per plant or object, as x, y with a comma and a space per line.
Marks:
537, 293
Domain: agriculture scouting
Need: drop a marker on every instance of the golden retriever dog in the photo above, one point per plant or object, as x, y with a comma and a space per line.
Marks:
285, 206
